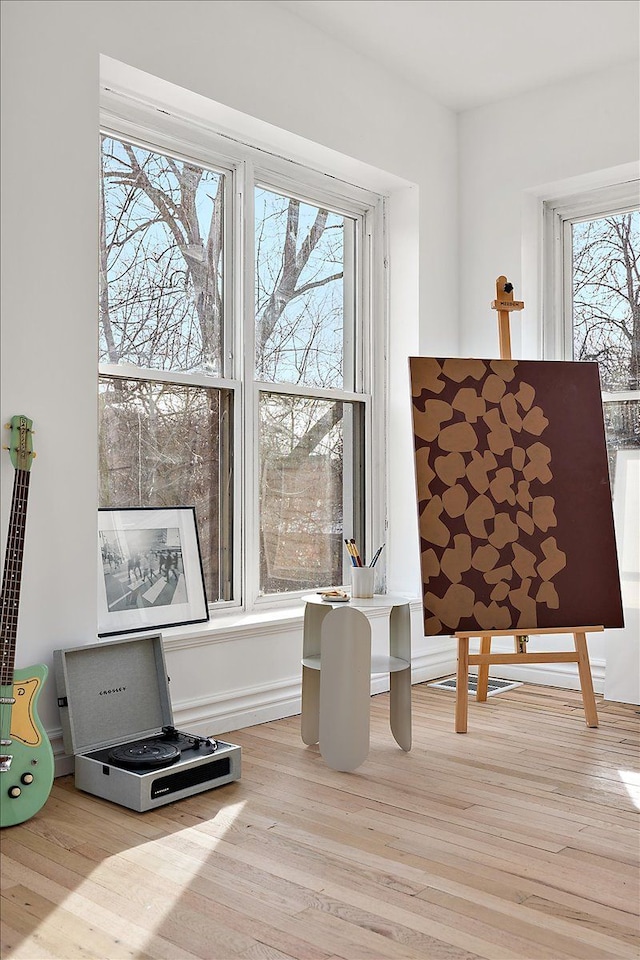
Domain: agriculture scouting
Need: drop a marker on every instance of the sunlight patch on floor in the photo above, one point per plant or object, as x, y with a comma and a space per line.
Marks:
631, 780
175, 859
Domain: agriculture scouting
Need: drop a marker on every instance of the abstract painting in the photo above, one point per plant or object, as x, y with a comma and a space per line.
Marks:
514, 502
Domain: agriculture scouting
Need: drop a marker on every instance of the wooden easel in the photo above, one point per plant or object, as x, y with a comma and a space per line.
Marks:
504, 304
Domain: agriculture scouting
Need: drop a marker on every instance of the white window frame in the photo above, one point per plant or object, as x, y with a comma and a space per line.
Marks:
558, 216
126, 116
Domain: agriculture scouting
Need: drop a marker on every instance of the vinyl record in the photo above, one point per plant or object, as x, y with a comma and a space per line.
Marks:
145, 754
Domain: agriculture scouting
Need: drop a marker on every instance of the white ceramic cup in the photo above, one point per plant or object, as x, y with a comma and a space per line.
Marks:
362, 581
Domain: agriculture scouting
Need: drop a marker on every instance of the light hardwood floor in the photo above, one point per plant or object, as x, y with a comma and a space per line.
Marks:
518, 840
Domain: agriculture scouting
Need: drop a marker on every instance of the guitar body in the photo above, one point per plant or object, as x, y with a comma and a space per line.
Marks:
26, 784
26, 757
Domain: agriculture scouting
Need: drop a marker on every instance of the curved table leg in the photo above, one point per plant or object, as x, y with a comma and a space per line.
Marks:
345, 689
400, 681
400, 707
310, 719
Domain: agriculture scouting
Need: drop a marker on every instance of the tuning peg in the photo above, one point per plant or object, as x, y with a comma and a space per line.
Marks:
7, 426
34, 454
5, 447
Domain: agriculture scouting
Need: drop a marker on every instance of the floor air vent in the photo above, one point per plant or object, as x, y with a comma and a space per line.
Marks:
495, 685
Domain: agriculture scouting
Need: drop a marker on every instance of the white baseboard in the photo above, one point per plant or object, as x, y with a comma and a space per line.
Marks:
262, 704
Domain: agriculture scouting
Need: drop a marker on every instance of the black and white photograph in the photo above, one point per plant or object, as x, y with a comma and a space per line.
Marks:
150, 569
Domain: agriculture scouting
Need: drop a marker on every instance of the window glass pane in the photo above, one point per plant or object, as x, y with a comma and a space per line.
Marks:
622, 427
606, 318
304, 311
164, 445
161, 258
310, 481
606, 297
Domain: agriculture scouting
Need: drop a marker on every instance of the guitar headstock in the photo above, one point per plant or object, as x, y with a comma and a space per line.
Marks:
20, 445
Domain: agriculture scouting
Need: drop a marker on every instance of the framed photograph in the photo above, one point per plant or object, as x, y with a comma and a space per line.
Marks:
149, 569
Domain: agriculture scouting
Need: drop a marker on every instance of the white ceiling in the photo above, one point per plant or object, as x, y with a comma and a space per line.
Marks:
465, 53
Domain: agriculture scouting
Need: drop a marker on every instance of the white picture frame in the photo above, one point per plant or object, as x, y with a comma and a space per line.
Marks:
149, 569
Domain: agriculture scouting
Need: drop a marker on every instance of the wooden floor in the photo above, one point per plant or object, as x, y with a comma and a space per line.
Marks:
517, 840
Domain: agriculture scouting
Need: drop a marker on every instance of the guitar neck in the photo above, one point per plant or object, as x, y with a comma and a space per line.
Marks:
12, 575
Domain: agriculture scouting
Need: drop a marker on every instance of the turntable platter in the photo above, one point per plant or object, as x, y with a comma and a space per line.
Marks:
145, 754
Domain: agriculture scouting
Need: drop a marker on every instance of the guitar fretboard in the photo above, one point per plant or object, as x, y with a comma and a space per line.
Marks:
12, 576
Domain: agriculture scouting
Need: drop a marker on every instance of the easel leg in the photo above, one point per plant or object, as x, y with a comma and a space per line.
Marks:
462, 683
483, 671
586, 683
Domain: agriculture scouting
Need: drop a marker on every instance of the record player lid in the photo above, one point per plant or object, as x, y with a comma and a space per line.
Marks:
111, 692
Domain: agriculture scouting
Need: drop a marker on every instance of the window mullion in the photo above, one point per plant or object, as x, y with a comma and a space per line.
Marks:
250, 446
566, 317
232, 361
374, 300
350, 307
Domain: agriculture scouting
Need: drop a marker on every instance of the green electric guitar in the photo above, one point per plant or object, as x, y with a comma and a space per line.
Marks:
26, 757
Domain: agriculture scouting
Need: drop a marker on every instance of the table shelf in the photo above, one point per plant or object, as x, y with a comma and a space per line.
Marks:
379, 664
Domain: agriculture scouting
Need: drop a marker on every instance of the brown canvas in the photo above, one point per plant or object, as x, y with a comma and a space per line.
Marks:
514, 502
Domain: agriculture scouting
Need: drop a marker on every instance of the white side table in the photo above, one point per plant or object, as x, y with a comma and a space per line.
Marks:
336, 675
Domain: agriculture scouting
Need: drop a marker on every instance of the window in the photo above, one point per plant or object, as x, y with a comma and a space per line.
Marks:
597, 257
235, 314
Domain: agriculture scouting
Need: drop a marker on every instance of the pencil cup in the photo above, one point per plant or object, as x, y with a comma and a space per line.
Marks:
362, 581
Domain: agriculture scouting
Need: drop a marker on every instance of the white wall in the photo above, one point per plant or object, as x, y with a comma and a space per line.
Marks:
523, 147
514, 154
259, 59
622, 680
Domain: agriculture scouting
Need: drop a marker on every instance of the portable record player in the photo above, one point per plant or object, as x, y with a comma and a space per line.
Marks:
117, 722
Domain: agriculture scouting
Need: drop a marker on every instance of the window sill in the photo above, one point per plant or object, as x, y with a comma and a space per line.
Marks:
239, 625
234, 626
